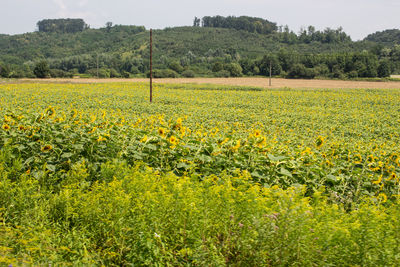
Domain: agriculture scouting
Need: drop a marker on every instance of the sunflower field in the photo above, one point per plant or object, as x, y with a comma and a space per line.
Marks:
94, 174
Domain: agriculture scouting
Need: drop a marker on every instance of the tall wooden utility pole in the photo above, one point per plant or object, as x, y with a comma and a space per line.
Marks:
270, 73
151, 65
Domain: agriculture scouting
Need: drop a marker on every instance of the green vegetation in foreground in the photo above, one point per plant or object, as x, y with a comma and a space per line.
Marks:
206, 175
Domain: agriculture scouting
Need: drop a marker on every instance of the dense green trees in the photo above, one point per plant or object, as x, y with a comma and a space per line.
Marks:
212, 50
42, 69
62, 25
245, 23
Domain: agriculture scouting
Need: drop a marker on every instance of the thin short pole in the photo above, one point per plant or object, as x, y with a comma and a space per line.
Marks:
97, 65
151, 65
270, 73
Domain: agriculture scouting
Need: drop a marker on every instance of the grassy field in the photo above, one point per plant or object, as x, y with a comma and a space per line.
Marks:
205, 175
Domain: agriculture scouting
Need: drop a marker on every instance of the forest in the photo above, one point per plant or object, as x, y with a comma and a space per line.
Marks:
213, 47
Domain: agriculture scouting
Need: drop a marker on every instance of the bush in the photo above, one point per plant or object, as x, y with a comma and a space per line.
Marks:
235, 70
175, 66
103, 73
4, 71
125, 74
114, 73
384, 69
163, 73
217, 67
188, 74
56, 73
42, 69
352, 74
222, 74
300, 71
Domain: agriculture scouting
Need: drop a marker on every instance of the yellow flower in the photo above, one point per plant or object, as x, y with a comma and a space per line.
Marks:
179, 121
392, 176
46, 148
162, 131
93, 130
144, 139
50, 111
236, 147
6, 127
320, 141
21, 128
257, 133
100, 139
224, 141
382, 197
173, 140
378, 181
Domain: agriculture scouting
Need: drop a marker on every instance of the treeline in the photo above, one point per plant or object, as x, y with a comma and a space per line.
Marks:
309, 35
290, 64
62, 25
216, 63
387, 36
250, 24
281, 34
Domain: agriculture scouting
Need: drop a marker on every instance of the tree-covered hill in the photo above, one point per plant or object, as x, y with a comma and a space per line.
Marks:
385, 37
213, 46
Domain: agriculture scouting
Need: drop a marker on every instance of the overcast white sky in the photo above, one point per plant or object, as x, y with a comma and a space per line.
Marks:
357, 17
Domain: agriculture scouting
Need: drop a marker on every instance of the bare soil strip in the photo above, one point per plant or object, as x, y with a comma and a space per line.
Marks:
248, 81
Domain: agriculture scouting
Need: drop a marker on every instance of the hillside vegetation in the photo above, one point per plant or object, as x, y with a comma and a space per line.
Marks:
221, 47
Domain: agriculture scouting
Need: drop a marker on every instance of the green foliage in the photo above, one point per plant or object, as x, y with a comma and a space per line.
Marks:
301, 71
42, 69
250, 24
234, 69
56, 73
204, 176
384, 69
138, 216
164, 73
175, 66
4, 71
188, 74
62, 25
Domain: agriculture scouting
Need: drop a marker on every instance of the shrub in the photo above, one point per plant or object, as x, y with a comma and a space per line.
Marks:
222, 74
56, 73
188, 74
163, 73
300, 71
42, 69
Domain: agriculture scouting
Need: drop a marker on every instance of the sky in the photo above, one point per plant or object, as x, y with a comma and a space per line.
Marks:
357, 17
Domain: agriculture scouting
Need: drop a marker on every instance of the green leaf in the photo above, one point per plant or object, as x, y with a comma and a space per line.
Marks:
286, 172
51, 167
273, 158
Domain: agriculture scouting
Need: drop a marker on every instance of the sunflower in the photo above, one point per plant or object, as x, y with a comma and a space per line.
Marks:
46, 148
6, 127
101, 138
144, 139
162, 131
93, 130
236, 147
50, 111
21, 127
257, 133
319, 141
382, 197
173, 140
378, 181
